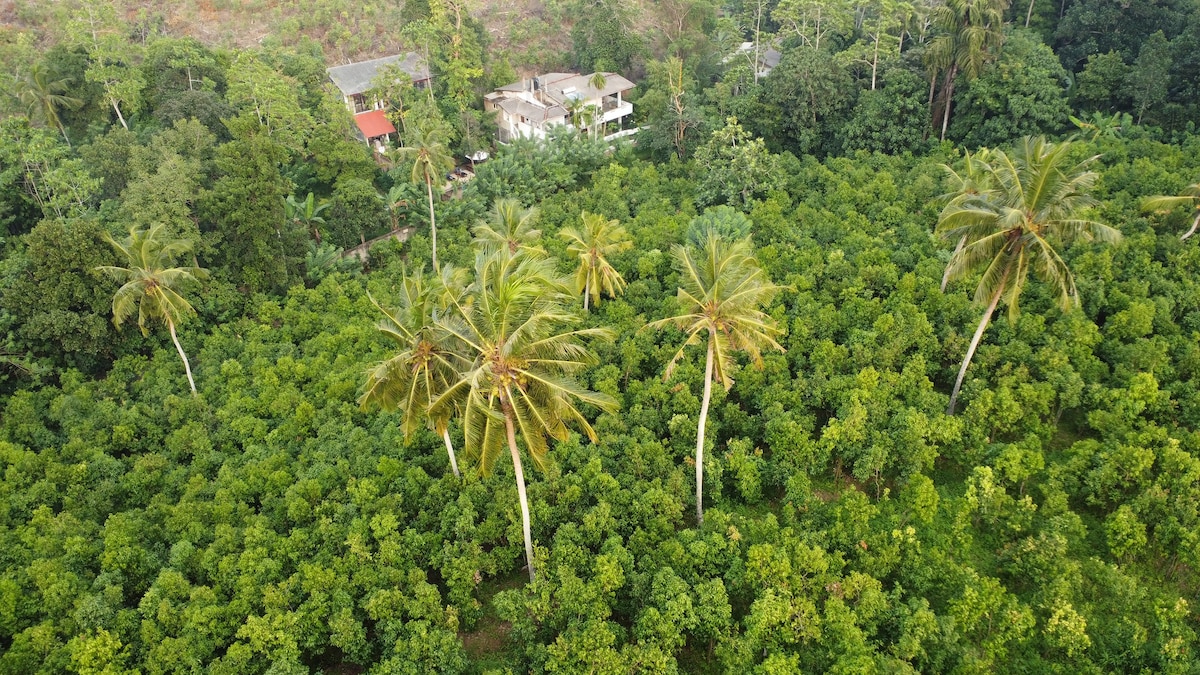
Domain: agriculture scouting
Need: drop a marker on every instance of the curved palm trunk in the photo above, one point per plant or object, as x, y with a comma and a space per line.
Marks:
983, 324
432, 219
1195, 226
708, 368
587, 291
516, 460
119, 115
450, 451
187, 367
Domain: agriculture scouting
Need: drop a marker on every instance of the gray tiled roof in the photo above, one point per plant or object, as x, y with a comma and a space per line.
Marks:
355, 78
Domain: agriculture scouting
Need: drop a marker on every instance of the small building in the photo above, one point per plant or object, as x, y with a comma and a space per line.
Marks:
530, 108
354, 80
768, 57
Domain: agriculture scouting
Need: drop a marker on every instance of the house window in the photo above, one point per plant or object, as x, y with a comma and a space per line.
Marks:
360, 103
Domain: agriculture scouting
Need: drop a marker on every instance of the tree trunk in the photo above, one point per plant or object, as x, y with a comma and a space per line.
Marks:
516, 460
983, 324
1029, 14
875, 59
187, 367
450, 451
1195, 225
63, 130
432, 219
949, 98
587, 290
708, 368
119, 115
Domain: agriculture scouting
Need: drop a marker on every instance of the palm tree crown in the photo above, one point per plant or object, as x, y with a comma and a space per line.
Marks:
426, 365
521, 348
593, 244
722, 288
1031, 207
42, 93
1190, 197
151, 282
509, 227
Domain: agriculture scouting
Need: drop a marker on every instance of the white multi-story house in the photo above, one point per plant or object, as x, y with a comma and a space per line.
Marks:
354, 80
530, 108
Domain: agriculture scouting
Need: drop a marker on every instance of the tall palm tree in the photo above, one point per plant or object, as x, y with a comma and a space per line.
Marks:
971, 34
43, 93
722, 290
305, 212
1034, 207
509, 227
431, 159
972, 180
426, 364
518, 338
151, 283
598, 239
1190, 197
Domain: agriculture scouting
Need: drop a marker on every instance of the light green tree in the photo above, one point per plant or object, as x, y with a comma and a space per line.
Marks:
1033, 206
152, 282
722, 290
1190, 197
426, 364
306, 213
430, 158
509, 227
521, 349
593, 244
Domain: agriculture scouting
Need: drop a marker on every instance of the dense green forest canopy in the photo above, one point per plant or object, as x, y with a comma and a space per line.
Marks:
785, 276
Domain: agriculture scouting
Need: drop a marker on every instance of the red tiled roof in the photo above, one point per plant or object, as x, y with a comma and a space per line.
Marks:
374, 123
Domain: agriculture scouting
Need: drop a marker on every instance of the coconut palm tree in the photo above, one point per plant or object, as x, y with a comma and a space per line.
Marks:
598, 239
431, 159
1034, 207
509, 227
972, 180
43, 94
971, 34
1190, 197
521, 348
721, 294
151, 283
426, 364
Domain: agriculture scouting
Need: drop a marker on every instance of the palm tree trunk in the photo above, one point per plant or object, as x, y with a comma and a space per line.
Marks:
187, 367
432, 218
1195, 225
450, 451
983, 324
1029, 14
708, 368
516, 460
949, 98
587, 291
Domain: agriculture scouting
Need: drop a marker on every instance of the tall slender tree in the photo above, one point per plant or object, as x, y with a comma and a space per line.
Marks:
426, 364
152, 282
431, 159
721, 294
1190, 197
522, 349
593, 244
1034, 206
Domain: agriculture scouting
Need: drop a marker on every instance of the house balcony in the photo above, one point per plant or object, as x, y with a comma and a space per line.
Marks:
614, 109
